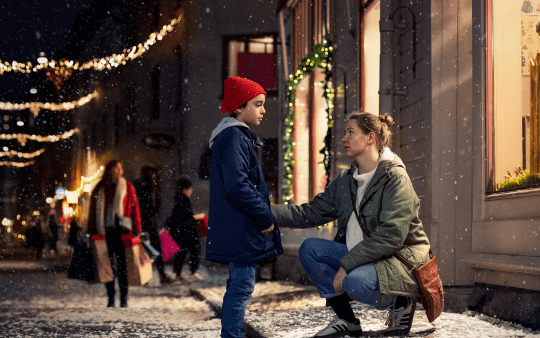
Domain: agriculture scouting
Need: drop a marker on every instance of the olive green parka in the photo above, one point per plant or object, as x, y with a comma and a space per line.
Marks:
388, 211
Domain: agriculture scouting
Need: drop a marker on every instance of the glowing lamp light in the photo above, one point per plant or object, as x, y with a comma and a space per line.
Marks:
20, 123
49, 200
33, 91
6, 222
72, 197
42, 59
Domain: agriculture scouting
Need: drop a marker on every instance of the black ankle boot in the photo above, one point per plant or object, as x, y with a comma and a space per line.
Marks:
111, 302
123, 301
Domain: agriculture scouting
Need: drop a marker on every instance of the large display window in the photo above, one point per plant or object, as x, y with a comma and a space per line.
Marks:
513, 96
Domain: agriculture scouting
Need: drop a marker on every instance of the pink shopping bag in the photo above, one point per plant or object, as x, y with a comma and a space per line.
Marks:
168, 245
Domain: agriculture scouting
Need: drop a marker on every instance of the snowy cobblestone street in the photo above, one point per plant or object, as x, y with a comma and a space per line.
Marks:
51, 305
48, 304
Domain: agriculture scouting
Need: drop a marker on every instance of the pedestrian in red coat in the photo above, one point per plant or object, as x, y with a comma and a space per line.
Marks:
113, 196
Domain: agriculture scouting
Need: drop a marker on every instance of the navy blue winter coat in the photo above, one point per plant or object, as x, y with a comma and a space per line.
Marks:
239, 202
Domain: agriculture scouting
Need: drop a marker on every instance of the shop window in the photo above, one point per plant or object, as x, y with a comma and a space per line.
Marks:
310, 120
513, 95
252, 57
370, 53
309, 20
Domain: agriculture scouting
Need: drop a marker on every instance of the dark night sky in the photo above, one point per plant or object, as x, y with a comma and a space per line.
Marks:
27, 28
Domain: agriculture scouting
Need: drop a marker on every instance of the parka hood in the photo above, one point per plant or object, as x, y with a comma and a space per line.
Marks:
224, 124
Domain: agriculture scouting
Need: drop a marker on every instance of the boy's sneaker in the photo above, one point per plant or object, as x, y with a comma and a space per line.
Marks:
400, 320
340, 328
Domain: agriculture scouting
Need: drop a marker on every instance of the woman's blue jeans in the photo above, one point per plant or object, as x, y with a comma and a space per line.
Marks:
240, 286
321, 259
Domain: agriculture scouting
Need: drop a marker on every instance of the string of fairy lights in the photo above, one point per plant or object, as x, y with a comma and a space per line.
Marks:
85, 181
13, 153
99, 64
22, 139
36, 107
320, 57
63, 69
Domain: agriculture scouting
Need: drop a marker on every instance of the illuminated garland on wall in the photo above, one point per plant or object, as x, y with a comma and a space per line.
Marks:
35, 107
12, 153
87, 180
23, 138
320, 56
128, 54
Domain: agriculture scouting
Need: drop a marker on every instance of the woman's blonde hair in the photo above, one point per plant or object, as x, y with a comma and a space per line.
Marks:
377, 124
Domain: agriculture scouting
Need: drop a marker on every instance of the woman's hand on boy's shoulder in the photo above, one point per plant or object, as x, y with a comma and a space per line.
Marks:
267, 231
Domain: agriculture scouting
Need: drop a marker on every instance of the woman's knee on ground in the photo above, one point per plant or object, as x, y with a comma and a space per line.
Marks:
359, 285
308, 249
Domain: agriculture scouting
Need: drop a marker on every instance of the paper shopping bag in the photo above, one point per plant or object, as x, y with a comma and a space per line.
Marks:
168, 245
103, 272
138, 263
150, 250
202, 224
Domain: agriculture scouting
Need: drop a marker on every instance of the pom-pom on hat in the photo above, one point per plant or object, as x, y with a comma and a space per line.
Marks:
237, 92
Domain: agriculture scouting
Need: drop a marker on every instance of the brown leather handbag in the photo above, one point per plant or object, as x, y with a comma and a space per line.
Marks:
429, 283
427, 277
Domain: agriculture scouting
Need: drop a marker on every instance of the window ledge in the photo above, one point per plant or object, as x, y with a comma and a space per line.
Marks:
508, 263
530, 192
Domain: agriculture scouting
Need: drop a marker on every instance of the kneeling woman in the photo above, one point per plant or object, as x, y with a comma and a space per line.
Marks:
359, 263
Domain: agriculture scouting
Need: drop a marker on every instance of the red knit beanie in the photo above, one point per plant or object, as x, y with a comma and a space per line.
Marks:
237, 92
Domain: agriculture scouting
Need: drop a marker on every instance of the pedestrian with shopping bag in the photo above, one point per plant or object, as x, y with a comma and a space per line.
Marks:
241, 229
376, 208
183, 230
148, 193
114, 211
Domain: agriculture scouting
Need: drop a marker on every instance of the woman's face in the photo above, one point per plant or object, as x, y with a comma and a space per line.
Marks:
253, 113
355, 140
117, 172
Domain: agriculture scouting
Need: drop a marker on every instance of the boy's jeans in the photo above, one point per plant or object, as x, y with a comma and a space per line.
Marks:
321, 260
240, 286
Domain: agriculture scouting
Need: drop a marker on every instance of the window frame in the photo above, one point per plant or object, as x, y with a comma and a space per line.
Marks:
246, 39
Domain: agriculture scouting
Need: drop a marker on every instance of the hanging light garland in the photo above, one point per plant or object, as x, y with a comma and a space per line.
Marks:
16, 164
23, 138
12, 153
320, 57
36, 107
108, 62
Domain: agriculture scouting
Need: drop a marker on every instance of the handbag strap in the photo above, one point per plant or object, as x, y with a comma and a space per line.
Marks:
357, 215
398, 255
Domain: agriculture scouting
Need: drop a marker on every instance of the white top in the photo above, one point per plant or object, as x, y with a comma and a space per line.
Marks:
354, 232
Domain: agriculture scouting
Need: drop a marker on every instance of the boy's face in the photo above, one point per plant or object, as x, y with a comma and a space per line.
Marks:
253, 113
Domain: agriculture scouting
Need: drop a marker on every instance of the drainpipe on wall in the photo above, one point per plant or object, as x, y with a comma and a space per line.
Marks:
386, 88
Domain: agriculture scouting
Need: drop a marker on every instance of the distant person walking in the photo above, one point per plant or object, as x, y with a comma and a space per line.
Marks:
146, 187
184, 230
113, 196
74, 233
53, 228
37, 239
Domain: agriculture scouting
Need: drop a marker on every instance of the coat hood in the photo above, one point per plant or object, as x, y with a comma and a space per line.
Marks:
224, 124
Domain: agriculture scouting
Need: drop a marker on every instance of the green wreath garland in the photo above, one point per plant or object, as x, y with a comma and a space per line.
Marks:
320, 56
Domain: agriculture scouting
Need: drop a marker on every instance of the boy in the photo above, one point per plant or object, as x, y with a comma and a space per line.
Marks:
241, 228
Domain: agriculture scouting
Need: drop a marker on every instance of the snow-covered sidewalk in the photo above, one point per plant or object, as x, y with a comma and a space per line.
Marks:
288, 310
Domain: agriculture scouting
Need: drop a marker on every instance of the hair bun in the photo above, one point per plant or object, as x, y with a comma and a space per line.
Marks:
388, 120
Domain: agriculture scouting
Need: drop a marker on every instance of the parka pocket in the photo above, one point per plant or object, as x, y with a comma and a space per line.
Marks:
370, 215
